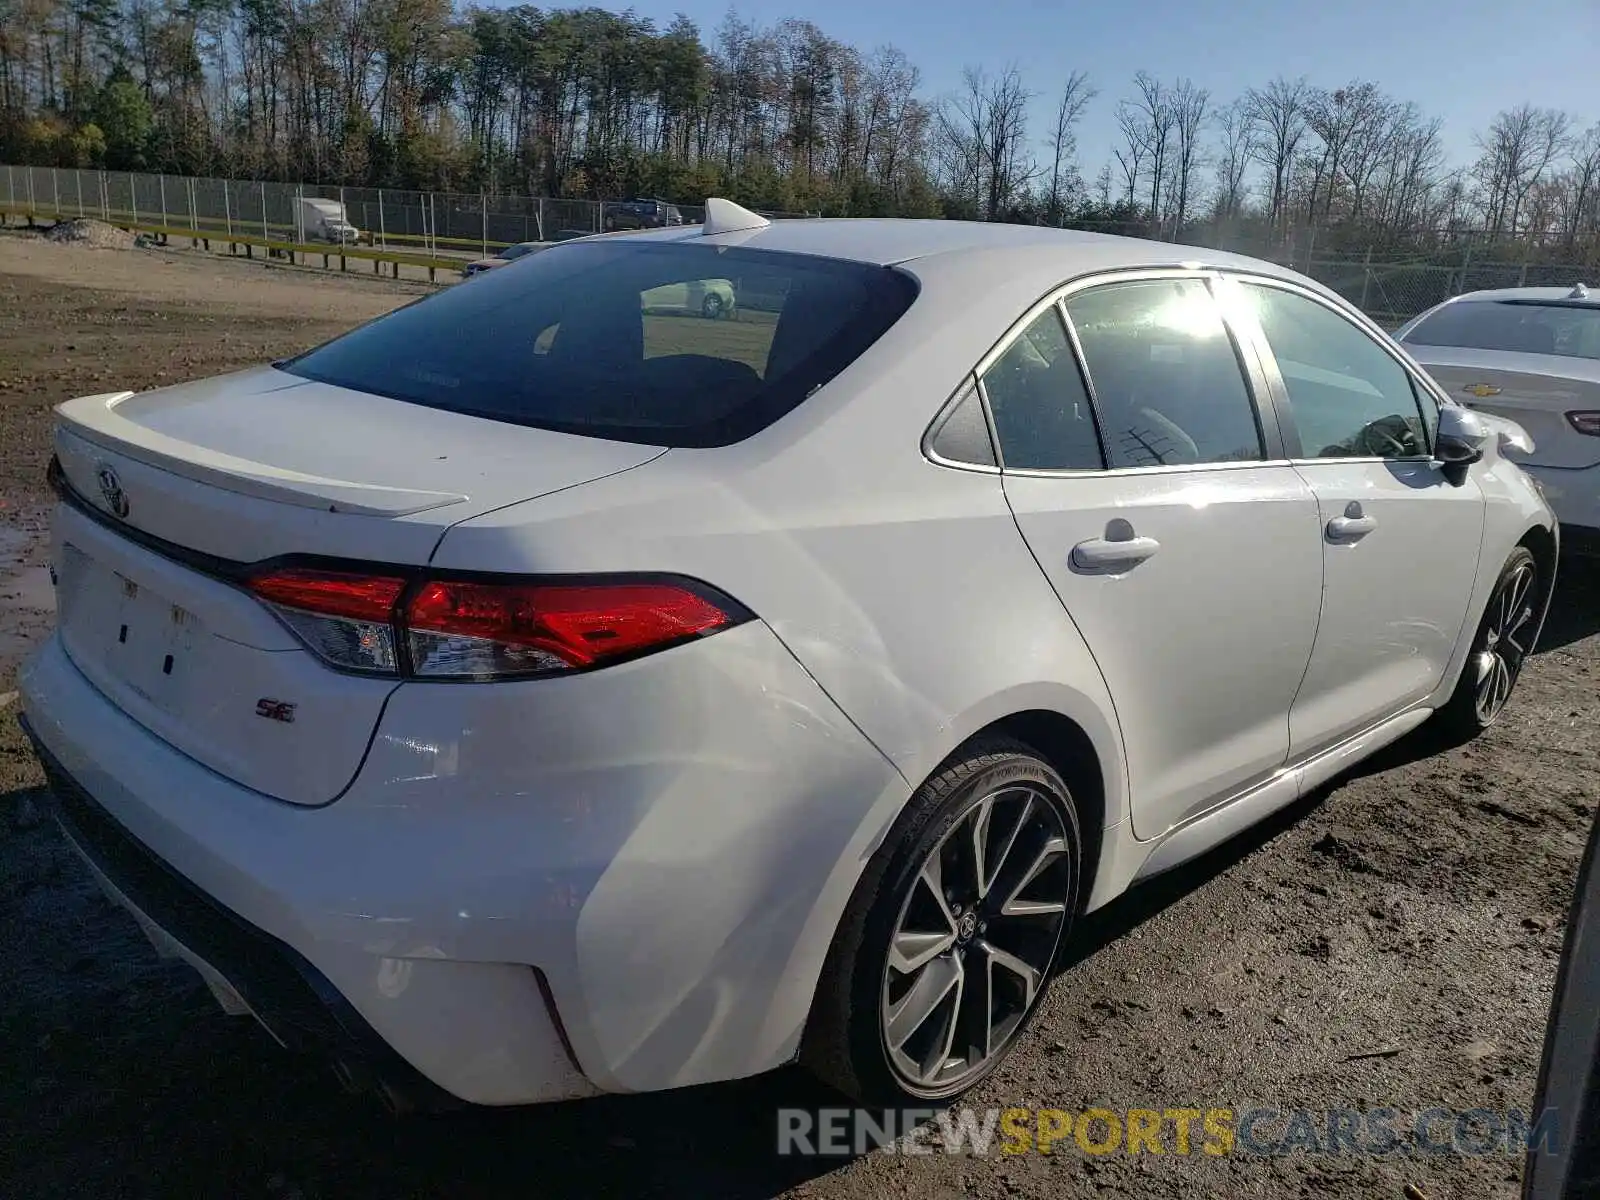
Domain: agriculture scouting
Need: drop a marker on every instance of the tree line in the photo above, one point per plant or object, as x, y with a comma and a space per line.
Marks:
591, 103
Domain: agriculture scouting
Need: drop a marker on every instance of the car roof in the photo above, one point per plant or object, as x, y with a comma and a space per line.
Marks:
894, 241
1534, 294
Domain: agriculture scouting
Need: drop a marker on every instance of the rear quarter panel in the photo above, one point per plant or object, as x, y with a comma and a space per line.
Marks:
903, 587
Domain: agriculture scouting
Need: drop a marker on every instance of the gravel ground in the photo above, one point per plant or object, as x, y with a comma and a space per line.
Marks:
94, 234
1390, 943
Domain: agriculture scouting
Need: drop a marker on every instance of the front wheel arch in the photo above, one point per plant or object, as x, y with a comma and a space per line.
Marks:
1541, 543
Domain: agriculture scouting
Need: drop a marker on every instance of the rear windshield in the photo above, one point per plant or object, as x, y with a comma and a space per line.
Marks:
1526, 327
668, 344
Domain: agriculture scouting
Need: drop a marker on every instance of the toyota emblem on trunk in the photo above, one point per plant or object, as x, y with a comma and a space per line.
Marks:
111, 488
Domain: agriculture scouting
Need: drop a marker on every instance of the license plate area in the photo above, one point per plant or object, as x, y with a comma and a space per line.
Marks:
136, 635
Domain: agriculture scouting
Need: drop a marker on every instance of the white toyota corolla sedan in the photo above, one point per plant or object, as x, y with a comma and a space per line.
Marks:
526, 696
1531, 354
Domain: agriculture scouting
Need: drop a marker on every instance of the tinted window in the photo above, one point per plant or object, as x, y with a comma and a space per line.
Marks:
964, 436
618, 340
1350, 397
1041, 409
517, 251
1167, 383
1515, 325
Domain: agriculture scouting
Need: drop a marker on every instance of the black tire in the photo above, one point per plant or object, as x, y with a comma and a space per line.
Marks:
845, 1044
711, 307
1463, 715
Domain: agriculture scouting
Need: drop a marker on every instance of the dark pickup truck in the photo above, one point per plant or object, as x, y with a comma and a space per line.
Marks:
640, 214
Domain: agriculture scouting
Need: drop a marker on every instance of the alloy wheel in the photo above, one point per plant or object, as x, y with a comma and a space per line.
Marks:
1505, 643
974, 941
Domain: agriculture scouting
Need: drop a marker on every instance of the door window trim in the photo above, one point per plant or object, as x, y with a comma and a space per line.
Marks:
1252, 372
1279, 391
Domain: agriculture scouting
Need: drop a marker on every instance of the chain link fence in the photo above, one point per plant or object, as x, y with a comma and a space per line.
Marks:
1394, 291
442, 222
459, 225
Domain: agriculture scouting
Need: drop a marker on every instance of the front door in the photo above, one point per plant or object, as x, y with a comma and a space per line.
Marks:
1400, 542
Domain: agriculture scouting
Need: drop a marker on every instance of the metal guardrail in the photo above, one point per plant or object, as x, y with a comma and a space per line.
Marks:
484, 223
279, 246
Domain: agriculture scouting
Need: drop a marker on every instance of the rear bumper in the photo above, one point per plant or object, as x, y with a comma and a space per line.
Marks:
649, 860
278, 985
1573, 495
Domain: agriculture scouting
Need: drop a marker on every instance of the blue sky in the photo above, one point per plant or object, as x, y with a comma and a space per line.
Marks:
1461, 60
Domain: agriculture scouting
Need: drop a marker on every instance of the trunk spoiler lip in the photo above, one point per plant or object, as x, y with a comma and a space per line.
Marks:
94, 419
240, 573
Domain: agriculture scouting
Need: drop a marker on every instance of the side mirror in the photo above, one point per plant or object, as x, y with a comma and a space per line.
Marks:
1459, 441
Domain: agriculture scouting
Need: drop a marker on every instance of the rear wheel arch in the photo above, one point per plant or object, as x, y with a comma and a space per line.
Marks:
1063, 744
1060, 748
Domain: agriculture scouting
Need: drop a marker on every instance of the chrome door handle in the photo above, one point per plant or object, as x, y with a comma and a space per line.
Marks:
1348, 529
1099, 554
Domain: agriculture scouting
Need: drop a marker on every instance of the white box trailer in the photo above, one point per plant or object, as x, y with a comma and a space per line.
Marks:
325, 221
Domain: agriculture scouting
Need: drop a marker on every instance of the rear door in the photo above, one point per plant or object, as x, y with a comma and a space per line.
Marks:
1400, 542
1181, 544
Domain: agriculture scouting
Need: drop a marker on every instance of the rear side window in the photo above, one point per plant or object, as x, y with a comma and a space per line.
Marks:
1167, 382
963, 437
1518, 326
669, 344
1041, 410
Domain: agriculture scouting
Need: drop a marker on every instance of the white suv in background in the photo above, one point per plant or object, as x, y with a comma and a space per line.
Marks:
529, 695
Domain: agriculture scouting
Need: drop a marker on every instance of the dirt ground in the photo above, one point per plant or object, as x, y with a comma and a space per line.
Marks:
1390, 943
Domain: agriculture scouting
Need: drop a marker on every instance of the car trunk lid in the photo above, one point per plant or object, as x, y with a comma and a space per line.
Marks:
262, 463
173, 493
1534, 399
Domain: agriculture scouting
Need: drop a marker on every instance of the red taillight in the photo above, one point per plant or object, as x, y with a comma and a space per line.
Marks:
491, 628
331, 593
483, 630
346, 619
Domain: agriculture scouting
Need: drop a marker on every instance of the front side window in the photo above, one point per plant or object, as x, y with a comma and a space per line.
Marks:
1040, 406
1515, 326
1167, 382
1350, 397
672, 344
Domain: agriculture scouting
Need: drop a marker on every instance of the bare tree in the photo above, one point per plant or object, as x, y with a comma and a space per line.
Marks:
1278, 112
983, 136
1407, 177
1235, 150
1377, 122
1131, 154
1102, 186
1147, 124
1515, 152
1340, 119
1578, 213
1064, 177
1189, 105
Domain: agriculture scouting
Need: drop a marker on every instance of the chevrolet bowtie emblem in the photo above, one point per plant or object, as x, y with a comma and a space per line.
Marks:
1480, 390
